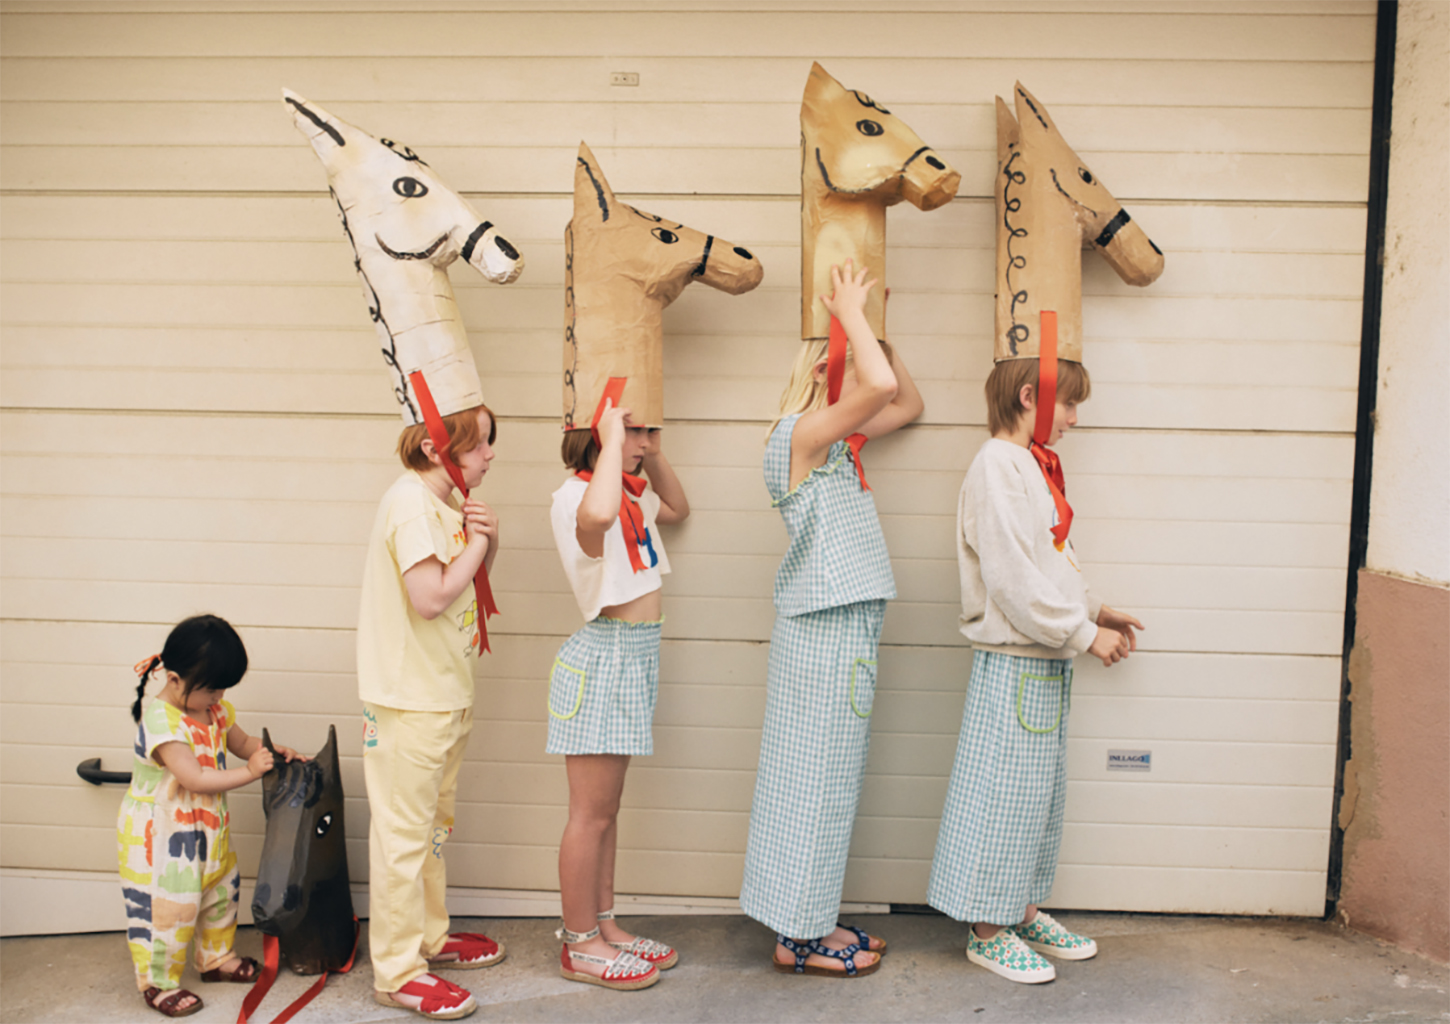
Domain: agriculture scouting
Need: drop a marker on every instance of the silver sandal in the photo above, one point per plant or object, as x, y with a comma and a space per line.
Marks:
625, 972
648, 950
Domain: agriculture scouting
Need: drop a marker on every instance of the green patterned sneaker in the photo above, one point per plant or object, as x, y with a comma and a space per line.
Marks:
1047, 936
1006, 954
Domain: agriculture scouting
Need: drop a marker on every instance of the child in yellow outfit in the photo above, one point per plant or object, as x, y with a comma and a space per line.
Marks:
178, 872
417, 642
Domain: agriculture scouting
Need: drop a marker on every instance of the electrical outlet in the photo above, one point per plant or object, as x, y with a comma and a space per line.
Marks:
624, 78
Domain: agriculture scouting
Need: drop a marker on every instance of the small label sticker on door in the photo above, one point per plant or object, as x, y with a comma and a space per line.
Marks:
1130, 760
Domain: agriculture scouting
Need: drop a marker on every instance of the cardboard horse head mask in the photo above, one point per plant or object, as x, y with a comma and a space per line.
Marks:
406, 226
1049, 208
622, 267
857, 158
302, 894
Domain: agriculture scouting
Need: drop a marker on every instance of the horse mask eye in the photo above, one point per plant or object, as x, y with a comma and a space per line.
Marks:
665, 235
869, 128
323, 824
410, 188
1085, 174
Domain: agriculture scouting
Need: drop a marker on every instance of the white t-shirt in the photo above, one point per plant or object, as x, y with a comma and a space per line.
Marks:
405, 661
608, 580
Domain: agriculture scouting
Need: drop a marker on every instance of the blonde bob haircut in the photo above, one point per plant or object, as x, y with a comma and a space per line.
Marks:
805, 393
1004, 388
463, 436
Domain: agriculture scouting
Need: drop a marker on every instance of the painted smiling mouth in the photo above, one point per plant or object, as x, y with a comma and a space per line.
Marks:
425, 254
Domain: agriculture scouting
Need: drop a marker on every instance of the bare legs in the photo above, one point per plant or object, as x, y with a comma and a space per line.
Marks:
985, 932
586, 853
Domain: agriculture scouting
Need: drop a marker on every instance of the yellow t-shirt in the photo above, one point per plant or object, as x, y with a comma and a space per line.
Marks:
405, 661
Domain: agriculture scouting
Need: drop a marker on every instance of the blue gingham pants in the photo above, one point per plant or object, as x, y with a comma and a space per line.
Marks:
812, 756
1002, 825
602, 689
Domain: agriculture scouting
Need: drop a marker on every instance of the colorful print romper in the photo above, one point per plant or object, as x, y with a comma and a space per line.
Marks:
178, 872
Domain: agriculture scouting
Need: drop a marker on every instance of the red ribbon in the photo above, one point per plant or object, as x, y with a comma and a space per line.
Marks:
835, 373
438, 434
630, 513
1047, 459
264, 981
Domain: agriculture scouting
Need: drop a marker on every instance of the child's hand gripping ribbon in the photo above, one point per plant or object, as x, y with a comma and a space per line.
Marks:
1046, 458
631, 517
438, 434
835, 373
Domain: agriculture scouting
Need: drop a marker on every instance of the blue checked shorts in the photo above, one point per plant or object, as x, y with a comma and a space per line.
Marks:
602, 689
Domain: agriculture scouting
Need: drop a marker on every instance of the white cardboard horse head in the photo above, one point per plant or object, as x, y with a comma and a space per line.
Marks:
1049, 208
406, 226
622, 267
857, 158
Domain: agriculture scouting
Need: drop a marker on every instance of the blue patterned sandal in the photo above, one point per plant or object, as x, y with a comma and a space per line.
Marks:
863, 940
802, 950
1045, 935
648, 950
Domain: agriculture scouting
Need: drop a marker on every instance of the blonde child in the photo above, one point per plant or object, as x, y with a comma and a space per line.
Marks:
603, 684
178, 871
830, 598
1027, 610
417, 642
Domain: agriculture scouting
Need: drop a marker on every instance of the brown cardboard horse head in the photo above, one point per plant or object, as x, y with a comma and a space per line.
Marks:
1049, 208
857, 158
622, 267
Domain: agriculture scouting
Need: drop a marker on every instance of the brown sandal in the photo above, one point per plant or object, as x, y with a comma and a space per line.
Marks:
243, 974
167, 1006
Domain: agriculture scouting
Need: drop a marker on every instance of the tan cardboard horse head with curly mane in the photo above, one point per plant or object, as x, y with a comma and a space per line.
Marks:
622, 267
857, 158
1049, 208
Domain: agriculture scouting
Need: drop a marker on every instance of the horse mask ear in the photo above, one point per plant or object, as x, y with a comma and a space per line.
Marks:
593, 198
327, 758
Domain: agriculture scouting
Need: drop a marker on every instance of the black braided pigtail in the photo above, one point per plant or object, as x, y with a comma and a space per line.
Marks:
143, 671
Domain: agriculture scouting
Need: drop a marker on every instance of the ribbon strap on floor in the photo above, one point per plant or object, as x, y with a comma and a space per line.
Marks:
835, 374
631, 517
269, 975
1047, 459
438, 434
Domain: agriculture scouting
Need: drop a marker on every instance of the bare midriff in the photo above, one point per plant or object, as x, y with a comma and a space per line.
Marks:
645, 608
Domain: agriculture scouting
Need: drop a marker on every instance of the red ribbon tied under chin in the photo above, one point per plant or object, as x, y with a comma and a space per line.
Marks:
438, 434
631, 516
835, 373
1047, 459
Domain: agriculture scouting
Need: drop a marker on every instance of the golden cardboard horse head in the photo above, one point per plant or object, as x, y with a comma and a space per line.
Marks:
622, 267
1049, 208
406, 226
857, 158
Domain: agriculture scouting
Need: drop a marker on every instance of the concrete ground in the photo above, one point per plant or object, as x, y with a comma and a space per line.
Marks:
1151, 968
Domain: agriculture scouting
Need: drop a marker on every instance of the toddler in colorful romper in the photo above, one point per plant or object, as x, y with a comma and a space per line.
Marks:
178, 870
603, 684
417, 642
1027, 610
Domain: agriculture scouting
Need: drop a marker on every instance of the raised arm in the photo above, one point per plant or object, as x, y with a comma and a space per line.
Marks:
901, 410
674, 506
599, 507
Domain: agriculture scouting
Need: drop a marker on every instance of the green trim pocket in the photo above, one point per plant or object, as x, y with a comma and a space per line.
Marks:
559, 682
1022, 694
854, 679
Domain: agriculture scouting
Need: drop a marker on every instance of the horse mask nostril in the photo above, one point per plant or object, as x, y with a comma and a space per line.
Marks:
292, 897
936, 164
505, 248
744, 254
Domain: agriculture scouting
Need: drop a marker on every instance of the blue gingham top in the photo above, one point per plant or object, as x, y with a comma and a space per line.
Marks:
837, 553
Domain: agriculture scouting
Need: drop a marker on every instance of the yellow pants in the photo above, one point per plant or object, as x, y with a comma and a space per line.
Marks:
410, 762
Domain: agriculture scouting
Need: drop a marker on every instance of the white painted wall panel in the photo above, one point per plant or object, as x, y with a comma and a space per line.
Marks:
194, 418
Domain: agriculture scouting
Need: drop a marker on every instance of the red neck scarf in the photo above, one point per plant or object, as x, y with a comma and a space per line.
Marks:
631, 517
835, 373
438, 434
1047, 459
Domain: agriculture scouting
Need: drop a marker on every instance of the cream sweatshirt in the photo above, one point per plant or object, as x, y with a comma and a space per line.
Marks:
1020, 595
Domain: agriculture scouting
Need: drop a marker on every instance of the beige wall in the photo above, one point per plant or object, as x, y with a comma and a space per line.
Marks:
196, 417
1396, 808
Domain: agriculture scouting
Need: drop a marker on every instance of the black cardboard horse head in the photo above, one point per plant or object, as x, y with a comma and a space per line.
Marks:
302, 894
